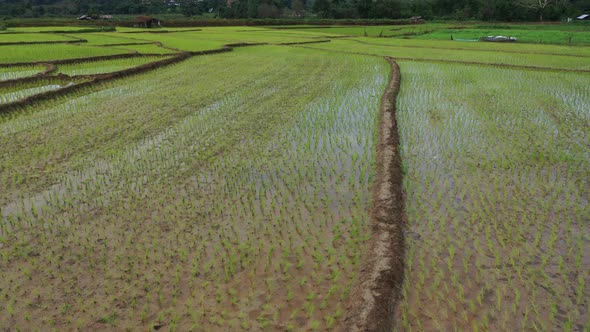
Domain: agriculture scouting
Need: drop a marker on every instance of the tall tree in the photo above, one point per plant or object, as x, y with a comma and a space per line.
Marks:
539, 5
322, 7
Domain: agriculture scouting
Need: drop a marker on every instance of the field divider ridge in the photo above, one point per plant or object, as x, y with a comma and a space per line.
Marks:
127, 44
306, 42
77, 41
49, 69
373, 300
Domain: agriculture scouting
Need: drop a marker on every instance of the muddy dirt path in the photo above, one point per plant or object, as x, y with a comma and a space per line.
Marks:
373, 301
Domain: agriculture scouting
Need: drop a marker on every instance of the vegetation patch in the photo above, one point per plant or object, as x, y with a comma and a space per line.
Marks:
524, 36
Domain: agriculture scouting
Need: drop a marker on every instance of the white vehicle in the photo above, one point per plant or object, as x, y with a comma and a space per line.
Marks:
499, 39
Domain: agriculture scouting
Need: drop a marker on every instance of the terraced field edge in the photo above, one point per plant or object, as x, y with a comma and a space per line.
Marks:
95, 79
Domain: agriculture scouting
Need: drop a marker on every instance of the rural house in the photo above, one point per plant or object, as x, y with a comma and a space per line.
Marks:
416, 20
146, 22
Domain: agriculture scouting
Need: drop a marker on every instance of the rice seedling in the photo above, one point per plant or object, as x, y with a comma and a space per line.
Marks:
41, 52
20, 94
105, 38
7, 38
14, 93
377, 31
148, 49
103, 67
48, 29
11, 73
186, 41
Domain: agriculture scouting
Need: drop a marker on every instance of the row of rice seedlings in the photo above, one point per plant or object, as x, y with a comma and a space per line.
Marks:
21, 94
533, 35
490, 57
48, 52
230, 222
275, 36
9, 94
377, 31
130, 32
106, 66
494, 47
183, 41
48, 29
105, 38
13, 123
496, 198
11, 73
183, 79
147, 49
33, 37
215, 38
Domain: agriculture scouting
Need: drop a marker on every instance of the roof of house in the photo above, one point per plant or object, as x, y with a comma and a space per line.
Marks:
142, 19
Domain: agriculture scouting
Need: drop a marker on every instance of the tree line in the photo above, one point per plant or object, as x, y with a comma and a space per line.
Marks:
487, 10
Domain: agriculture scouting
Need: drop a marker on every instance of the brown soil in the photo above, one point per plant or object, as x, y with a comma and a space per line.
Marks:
126, 44
244, 44
373, 301
307, 42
